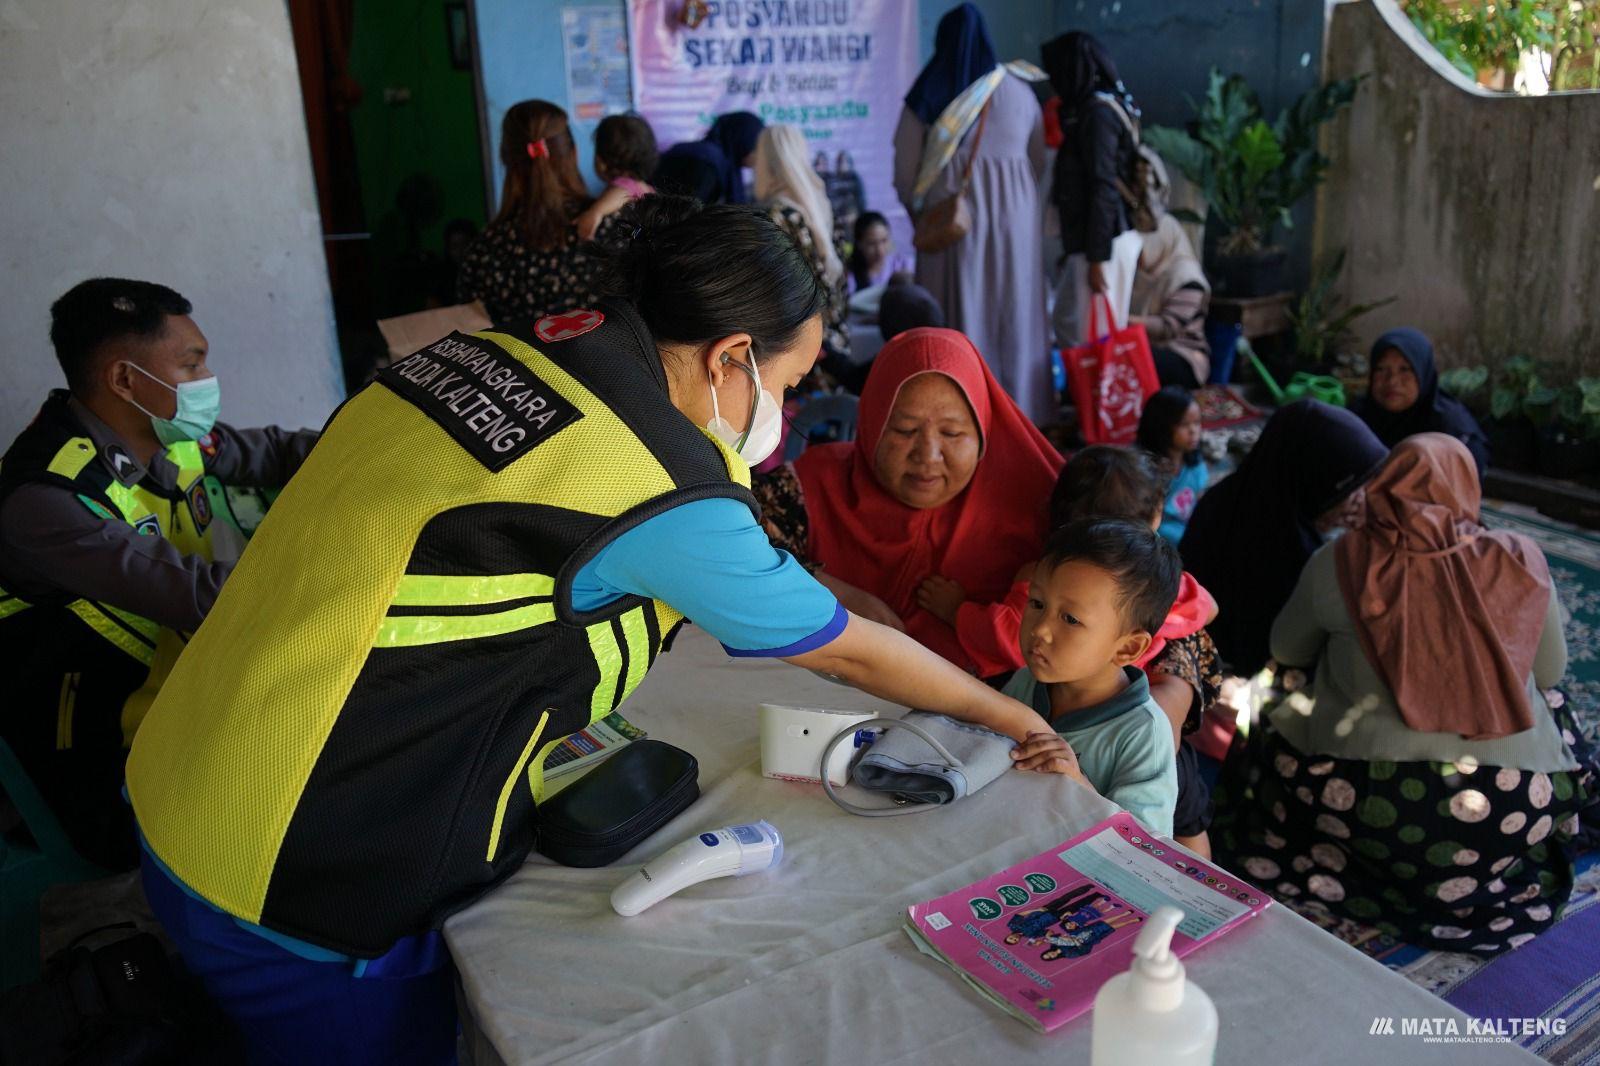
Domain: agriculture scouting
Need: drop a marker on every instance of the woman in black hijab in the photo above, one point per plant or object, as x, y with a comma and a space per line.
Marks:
1403, 397
1250, 536
709, 169
1097, 148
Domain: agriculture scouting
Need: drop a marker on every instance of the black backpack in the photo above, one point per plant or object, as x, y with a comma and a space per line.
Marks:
1139, 185
116, 999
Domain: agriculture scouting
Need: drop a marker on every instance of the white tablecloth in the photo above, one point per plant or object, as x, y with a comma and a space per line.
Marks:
807, 963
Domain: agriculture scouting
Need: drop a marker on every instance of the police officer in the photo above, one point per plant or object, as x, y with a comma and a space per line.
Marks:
485, 553
116, 533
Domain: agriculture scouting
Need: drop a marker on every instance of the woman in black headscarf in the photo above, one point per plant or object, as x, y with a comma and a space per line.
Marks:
1403, 397
1098, 116
709, 169
1250, 536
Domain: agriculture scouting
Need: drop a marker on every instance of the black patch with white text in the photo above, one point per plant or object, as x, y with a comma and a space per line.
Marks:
489, 402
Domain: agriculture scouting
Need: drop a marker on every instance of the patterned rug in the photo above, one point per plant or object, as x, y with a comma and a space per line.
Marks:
1222, 406
1557, 976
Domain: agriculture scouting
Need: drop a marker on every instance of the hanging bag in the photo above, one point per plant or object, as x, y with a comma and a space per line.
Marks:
1140, 187
1110, 377
943, 224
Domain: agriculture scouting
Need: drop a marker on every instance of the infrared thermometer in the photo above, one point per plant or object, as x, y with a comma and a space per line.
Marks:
733, 851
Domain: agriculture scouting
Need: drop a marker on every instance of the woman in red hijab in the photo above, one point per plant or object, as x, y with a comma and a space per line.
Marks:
923, 520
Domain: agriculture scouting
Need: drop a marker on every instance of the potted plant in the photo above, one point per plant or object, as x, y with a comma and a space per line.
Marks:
1251, 172
1518, 400
1319, 324
1568, 444
1469, 385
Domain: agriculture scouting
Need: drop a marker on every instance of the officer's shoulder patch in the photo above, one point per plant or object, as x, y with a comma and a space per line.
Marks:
148, 526
489, 402
570, 324
122, 465
200, 503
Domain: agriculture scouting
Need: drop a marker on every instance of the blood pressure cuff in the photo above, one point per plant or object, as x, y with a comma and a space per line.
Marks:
906, 766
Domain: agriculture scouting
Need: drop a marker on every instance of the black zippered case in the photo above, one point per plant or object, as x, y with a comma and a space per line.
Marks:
599, 818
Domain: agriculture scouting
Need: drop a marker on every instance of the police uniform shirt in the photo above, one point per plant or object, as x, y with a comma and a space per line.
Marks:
51, 544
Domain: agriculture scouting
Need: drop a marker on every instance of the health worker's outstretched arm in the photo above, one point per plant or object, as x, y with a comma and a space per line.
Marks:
892, 666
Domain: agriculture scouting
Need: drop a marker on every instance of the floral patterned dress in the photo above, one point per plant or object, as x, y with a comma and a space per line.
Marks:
515, 280
835, 324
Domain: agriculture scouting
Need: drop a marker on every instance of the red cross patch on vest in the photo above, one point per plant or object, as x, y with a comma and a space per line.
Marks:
566, 326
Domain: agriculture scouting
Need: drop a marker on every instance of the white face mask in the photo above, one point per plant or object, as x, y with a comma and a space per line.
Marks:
766, 420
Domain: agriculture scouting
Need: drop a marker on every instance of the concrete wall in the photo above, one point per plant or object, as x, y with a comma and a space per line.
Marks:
166, 141
1480, 211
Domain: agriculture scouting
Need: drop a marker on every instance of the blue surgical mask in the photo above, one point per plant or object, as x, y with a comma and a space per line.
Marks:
198, 404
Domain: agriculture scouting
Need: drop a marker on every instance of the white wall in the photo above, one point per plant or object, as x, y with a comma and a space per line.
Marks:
164, 140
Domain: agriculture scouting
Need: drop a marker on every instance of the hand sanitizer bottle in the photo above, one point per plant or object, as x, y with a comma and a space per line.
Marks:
1151, 1014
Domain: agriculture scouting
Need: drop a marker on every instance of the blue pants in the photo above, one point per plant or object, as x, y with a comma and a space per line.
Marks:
297, 1011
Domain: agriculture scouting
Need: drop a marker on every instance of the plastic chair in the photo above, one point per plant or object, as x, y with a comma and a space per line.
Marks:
27, 869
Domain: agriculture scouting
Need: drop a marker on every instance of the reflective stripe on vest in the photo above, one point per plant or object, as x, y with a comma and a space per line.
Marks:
124, 630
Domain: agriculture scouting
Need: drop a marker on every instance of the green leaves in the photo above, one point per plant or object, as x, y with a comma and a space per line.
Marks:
1319, 323
1251, 171
1485, 37
1258, 151
1464, 382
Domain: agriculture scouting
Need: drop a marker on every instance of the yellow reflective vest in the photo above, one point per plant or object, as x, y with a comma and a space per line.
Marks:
83, 672
352, 747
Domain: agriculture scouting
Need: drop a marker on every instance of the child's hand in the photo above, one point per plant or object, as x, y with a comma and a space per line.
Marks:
1047, 753
941, 597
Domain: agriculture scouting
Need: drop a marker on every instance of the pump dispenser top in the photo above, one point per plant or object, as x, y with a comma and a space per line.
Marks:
1152, 1013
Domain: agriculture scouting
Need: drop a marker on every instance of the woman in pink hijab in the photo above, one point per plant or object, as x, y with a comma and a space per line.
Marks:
1422, 783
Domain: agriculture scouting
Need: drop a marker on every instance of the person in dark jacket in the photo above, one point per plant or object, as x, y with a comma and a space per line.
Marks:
711, 169
1251, 534
1403, 397
1098, 116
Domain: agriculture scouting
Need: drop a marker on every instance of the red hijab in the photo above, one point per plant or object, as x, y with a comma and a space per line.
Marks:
1450, 613
862, 534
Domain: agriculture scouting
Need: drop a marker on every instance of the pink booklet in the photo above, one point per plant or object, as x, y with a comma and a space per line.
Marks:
1041, 938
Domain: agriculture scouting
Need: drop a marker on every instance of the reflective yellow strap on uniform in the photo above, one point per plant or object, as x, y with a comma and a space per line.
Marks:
134, 635
72, 457
438, 590
608, 660
405, 631
185, 455
633, 629
127, 501
511, 782
10, 605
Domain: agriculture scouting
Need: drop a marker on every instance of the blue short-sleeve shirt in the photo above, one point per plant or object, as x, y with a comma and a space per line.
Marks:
711, 561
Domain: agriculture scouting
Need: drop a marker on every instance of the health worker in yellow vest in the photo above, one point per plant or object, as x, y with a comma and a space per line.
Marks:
484, 554
116, 534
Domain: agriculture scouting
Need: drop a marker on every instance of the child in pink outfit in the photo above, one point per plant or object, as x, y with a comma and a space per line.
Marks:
624, 153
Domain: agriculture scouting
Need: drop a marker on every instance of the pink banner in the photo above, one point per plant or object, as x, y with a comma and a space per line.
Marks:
838, 69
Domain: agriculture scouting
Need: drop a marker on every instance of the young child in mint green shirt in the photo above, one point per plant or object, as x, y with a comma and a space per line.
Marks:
1102, 590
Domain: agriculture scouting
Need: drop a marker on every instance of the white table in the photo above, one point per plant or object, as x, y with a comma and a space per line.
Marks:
807, 963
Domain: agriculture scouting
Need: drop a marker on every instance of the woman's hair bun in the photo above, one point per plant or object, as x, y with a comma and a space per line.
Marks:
628, 242
696, 272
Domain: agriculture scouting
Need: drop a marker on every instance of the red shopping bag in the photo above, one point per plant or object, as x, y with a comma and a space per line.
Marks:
1110, 378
